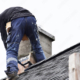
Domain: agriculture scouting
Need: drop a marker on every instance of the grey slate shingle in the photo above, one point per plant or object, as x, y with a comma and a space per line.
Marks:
54, 68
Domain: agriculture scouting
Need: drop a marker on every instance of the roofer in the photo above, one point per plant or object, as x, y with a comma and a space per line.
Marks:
22, 22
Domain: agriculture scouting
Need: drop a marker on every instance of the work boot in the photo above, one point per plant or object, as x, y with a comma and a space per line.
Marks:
12, 75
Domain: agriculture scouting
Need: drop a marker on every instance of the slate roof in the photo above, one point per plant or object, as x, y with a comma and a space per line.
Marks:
54, 68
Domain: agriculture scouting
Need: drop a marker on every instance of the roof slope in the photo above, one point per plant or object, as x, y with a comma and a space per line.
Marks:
54, 68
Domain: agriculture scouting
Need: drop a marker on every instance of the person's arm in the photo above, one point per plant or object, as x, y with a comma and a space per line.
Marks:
3, 34
2, 28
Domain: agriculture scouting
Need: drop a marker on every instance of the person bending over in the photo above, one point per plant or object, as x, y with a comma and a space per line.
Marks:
22, 22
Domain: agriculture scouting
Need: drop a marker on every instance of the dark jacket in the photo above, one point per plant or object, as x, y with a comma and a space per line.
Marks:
8, 15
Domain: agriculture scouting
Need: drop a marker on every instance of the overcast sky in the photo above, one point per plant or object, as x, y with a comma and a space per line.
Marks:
61, 18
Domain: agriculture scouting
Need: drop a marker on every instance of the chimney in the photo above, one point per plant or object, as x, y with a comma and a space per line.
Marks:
45, 41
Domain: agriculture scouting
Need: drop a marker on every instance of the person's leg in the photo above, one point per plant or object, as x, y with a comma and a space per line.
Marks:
31, 32
13, 40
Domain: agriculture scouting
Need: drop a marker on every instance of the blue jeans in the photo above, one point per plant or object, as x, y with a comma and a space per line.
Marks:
19, 27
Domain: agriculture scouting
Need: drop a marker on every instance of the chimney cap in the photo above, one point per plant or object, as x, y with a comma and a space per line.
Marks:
46, 33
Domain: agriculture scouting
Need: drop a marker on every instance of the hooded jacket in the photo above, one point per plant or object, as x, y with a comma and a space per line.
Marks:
8, 15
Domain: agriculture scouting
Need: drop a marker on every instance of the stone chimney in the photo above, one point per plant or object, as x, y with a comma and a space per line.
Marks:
45, 41
25, 48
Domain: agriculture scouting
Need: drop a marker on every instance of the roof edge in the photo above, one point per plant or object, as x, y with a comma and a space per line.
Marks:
43, 61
